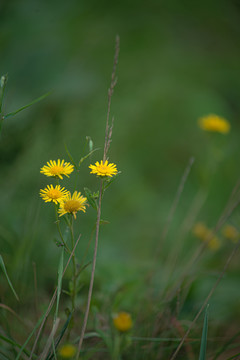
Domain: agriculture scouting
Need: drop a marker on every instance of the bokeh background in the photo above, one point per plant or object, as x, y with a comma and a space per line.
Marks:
179, 60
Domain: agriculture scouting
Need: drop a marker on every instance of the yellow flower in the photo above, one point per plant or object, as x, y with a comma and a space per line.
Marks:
54, 194
57, 169
200, 230
103, 169
122, 321
214, 123
230, 233
72, 204
214, 243
67, 351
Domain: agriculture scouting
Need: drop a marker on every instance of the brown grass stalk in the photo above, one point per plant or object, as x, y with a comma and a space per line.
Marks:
108, 135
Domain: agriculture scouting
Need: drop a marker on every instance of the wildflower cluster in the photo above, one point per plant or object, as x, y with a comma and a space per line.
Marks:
68, 203
202, 232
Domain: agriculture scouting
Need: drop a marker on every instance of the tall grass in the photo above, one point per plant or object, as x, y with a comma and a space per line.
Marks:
154, 316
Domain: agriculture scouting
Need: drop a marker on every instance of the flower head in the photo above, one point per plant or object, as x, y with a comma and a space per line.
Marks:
202, 232
71, 204
54, 194
57, 168
103, 169
67, 351
122, 321
214, 123
214, 243
230, 233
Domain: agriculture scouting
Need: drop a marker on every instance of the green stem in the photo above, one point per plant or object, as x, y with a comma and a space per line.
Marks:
74, 291
116, 347
93, 272
59, 230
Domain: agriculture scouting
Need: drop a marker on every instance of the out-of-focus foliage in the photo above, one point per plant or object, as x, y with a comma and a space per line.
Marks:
179, 60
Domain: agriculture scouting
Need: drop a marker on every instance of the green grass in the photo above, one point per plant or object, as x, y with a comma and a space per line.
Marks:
177, 63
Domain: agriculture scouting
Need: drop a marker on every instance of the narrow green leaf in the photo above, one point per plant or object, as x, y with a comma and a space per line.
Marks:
2, 265
3, 83
28, 105
90, 197
57, 342
9, 341
85, 157
109, 181
203, 347
226, 345
29, 337
90, 143
60, 276
234, 357
104, 222
70, 156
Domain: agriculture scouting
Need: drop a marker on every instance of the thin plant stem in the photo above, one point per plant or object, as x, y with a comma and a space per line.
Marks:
206, 300
175, 203
108, 135
59, 230
52, 302
230, 207
108, 132
92, 274
74, 266
35, 289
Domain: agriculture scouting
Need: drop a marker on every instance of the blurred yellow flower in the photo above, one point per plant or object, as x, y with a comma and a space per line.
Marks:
67, 351
214, 123
54, 194
230, 233
122, 321
214, 243
72, 204
103, 169
57, 169
200, 230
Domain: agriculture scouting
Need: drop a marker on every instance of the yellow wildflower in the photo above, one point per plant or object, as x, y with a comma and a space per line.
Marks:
67, 351
57, 169
103, 169
214, 243
54, 194
230, 233
122, 321
200, 230
214, 123
71, 204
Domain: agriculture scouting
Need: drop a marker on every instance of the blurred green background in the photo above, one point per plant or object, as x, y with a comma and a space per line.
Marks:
178, 61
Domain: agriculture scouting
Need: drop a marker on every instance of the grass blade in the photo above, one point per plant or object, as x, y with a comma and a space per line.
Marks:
64, 328
13, 342
70, 156
203, 347
2, 265
29, 337
3, 83
60, 276
28, 105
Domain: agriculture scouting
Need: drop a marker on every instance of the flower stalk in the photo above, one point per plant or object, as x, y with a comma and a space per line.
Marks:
108, 134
